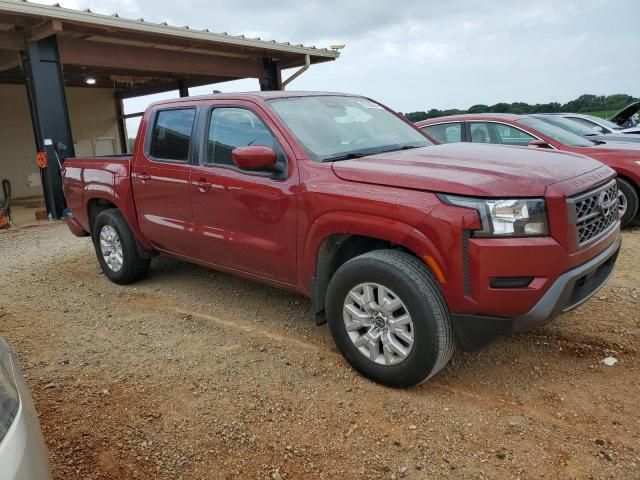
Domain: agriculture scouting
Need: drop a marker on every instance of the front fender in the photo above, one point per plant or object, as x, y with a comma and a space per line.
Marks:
350, 223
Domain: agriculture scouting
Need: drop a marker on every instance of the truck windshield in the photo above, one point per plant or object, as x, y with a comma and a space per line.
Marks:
558, 134
332, 127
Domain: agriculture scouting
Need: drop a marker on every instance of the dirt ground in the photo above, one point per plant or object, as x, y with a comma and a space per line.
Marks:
197, 374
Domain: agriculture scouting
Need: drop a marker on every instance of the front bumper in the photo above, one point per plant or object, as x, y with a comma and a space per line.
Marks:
569, 290
23, 454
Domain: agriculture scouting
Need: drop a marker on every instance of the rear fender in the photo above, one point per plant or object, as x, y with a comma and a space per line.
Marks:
121, 196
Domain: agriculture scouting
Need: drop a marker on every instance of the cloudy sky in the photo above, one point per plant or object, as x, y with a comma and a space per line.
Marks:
416, 55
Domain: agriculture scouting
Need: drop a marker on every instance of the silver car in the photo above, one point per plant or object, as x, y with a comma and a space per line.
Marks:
23, 454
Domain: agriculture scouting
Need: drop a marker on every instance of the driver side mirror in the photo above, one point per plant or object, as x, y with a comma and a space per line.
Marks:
254, 158
539, 144
598, 129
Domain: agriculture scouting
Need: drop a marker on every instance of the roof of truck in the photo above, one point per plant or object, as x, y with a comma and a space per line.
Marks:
260, 96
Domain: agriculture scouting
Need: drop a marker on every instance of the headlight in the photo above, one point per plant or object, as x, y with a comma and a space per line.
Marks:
506, 218
9, 399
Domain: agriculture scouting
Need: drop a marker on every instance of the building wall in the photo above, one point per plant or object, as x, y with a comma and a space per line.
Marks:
93, 116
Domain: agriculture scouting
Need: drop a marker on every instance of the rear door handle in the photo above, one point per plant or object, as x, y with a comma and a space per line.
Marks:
202, 185
144, 177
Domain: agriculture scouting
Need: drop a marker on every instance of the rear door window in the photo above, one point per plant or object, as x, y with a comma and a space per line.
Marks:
445, 132
171, 136
480, 132
508, 135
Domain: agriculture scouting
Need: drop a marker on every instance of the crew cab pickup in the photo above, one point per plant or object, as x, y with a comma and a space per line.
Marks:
407, 249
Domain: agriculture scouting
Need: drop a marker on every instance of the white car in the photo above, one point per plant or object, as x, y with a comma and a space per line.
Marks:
598, 125
628, 118
23, 455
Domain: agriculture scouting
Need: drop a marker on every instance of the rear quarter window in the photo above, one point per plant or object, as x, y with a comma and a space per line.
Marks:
171, 135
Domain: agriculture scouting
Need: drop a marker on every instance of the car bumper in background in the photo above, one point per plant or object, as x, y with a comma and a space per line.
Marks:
568, 291
23, 454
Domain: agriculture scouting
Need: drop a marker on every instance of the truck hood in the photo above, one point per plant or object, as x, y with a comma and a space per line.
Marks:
468, 169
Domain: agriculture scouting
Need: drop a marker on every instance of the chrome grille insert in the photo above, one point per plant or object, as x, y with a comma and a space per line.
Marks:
594, 213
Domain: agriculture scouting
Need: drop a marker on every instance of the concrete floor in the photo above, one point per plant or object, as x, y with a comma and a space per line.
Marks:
23, 212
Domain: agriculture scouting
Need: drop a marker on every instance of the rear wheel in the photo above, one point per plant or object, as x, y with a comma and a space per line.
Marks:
389, 319
627, 201
117, 249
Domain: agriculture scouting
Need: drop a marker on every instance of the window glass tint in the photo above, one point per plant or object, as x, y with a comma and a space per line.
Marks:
567, 124
231, 128
603, 122
558, 134
508, 135
445, 132
172, 134
587, 123
479, 133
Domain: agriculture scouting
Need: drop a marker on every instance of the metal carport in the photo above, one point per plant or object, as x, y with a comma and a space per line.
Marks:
50, 50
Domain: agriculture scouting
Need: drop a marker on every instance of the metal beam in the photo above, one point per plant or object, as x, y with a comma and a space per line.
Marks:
168, 86
48, 104
271, 78
44, 30
122, 127
183, 89
11, 41
96, 54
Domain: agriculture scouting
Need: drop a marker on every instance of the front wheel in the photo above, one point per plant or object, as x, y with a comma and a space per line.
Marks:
117, 249
389, 319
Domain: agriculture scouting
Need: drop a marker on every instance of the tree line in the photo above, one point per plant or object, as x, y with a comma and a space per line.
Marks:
582, 104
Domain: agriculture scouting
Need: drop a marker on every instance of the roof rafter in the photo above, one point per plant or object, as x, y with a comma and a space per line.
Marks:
96, 54
11, 41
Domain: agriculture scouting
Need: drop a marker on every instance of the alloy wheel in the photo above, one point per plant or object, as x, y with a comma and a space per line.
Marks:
378, 323
111, 248
622, 203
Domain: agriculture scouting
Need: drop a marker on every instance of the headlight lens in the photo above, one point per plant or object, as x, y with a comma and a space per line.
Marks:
508, 217
9, 399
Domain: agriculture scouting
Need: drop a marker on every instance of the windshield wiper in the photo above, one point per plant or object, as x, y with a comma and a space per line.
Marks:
352, 155
345, 156
403, 147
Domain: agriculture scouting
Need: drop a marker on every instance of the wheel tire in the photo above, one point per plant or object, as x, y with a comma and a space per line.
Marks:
133, 267
411, 282
630, 194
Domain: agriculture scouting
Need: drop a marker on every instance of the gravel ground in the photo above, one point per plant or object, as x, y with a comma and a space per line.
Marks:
196, 374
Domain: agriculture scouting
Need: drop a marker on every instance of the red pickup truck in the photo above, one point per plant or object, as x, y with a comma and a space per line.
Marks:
406, 248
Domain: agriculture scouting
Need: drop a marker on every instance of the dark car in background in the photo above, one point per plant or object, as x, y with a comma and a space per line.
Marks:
526, 130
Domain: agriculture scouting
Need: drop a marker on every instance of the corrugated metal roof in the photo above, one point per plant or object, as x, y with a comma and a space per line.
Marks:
23, 7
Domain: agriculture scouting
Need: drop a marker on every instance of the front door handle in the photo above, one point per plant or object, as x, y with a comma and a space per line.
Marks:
202, 185
144, 177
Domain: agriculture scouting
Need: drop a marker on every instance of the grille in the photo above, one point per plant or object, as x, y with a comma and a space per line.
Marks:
595, 212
